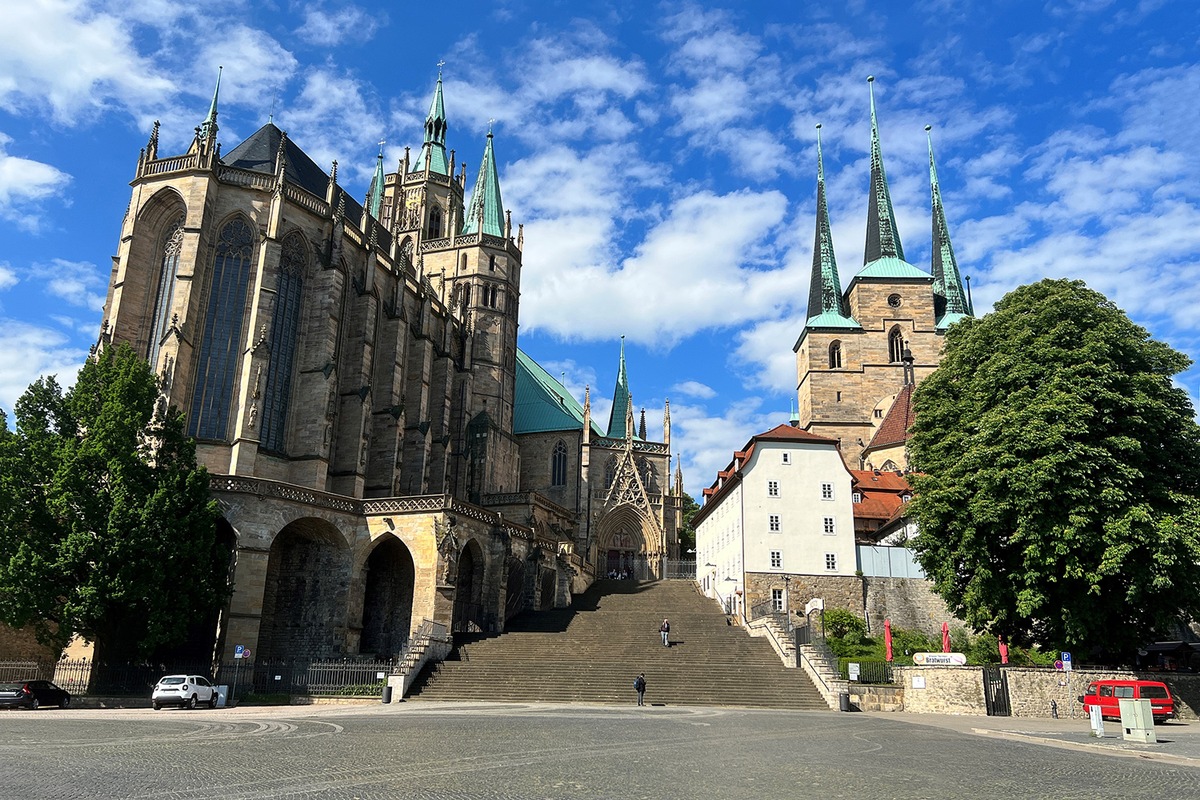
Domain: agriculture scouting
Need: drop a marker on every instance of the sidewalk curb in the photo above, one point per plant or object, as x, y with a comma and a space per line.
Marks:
1169, 758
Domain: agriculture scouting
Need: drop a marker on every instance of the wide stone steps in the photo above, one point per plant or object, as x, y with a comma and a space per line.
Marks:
592, 651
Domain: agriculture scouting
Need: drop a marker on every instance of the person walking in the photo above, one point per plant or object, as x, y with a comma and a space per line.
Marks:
639, 684
665, 630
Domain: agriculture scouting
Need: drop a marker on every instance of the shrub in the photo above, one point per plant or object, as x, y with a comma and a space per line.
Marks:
839, 622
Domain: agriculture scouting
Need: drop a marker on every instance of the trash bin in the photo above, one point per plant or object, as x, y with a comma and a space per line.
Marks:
844, 701
387, 694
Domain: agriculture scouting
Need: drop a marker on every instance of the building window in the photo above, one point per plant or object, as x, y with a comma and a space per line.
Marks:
435, 223
558, 465
492, 263
895, 346
905, 498
839, 397
879, 413
774, 523
835, 355
221, 342
787, 458
831, 561
857, 497
776, 559
773, 488
285, 333
826, 491
777, 600
830, 528
166, 289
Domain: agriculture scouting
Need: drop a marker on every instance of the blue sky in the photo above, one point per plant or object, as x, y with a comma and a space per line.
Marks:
661, 157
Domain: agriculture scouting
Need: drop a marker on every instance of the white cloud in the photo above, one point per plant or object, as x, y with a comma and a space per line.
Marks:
78, 282
28, 352
8, 278
694, 389
336, 117
332, 27
63, 55
24, 183
256, 68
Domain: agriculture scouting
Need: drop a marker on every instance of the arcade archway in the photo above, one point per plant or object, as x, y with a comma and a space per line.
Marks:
468, 598
387, 599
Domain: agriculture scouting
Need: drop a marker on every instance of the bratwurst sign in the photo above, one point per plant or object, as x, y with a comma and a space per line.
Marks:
939, 659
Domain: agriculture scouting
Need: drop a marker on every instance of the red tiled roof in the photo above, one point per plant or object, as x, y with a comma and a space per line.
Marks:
879, 480
881, 493
786, 431
895, 426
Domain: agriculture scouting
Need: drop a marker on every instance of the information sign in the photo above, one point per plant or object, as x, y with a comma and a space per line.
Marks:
939, 659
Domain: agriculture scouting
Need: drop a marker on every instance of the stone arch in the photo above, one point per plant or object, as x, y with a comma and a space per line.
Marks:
626, 541
549, 579
387, 598
468, 597
305, 597
154, 251
515, 597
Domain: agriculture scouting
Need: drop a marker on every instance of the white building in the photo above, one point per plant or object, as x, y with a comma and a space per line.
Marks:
778, 518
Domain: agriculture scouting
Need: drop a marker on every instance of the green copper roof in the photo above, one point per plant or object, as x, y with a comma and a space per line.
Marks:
620, 406
883, 239
486, 197
891, 267
827, 307
543, 403
433, 152
948, 319
949, 300
375, 195
209, 127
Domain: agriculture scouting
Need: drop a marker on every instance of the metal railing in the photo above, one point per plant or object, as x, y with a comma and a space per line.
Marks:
869, 671
679, 569
339, 678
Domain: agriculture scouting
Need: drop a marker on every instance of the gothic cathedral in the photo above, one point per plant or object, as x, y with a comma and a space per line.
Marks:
863, 350
383, 453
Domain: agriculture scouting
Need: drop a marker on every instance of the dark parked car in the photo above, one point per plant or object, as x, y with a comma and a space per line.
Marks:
33, 694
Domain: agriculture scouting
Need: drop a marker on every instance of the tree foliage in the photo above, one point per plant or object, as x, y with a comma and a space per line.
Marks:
107, 528
1057, 494
687, 531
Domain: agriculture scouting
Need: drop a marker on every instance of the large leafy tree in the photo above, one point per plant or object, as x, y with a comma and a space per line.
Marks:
107, 528
687, 531
1058, 474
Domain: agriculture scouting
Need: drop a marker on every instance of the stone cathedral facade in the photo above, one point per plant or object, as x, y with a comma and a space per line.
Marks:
864, 349
351, 375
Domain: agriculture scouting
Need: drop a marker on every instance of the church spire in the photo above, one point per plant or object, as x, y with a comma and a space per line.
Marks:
375, 195
621, 413
883, 240
433, 152
827, 307
950, 302
208, 130
485, 211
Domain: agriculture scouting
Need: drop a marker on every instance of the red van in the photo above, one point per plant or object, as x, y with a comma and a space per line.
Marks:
1106, 696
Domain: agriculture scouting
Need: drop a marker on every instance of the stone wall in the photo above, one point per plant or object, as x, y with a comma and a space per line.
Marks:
947, 690
908, 602
838, 591
19, 644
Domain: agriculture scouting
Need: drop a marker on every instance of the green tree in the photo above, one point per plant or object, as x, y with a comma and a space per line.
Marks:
1058, 467
107, 522
687, 532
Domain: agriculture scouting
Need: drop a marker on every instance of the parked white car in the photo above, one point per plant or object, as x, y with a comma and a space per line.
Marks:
187, 691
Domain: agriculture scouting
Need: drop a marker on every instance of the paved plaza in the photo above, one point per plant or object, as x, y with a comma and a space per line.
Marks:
480, 750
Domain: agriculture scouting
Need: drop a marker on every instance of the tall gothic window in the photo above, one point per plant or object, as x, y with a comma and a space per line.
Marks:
895, 346
610, 471
221, 343
435, 223
406, 253
285, 331
558, 465
172, 244
835, 355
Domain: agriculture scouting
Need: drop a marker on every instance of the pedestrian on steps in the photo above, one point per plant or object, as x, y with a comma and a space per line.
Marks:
665, 630
639, 684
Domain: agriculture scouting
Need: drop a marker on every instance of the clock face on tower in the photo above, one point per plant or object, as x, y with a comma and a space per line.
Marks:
894, 300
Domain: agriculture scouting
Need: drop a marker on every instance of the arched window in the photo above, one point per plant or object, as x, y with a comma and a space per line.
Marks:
285, 331
610, 471
558, 465
463, 262
406, 253
221, 342
835, 355
168, 266
895, 346
435, 223
492, 263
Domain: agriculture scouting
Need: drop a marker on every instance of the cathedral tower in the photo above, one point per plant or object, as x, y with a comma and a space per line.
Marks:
862, 347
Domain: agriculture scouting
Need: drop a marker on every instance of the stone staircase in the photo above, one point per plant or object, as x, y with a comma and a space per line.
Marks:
591, 652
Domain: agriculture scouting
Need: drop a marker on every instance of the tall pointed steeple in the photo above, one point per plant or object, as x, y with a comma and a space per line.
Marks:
208, 129
950, 302
883, 239
375, 195
827, 306
621, 408
485, 211
433, 152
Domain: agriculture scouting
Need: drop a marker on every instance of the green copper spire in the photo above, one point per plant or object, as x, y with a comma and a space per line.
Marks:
949, 300
883, 240
620, 407
208, 129
375, 196
433, 152
827, 307
485, 198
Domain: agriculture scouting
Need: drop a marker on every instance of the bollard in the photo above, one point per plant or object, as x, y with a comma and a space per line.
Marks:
1054, 709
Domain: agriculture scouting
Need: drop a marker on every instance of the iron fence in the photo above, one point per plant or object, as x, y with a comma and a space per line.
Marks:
24, 671
869, 670
679, 569
339, 678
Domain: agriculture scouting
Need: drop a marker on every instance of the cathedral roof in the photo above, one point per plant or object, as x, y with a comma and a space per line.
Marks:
485, 197
543, 403
950, 302
257, 153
